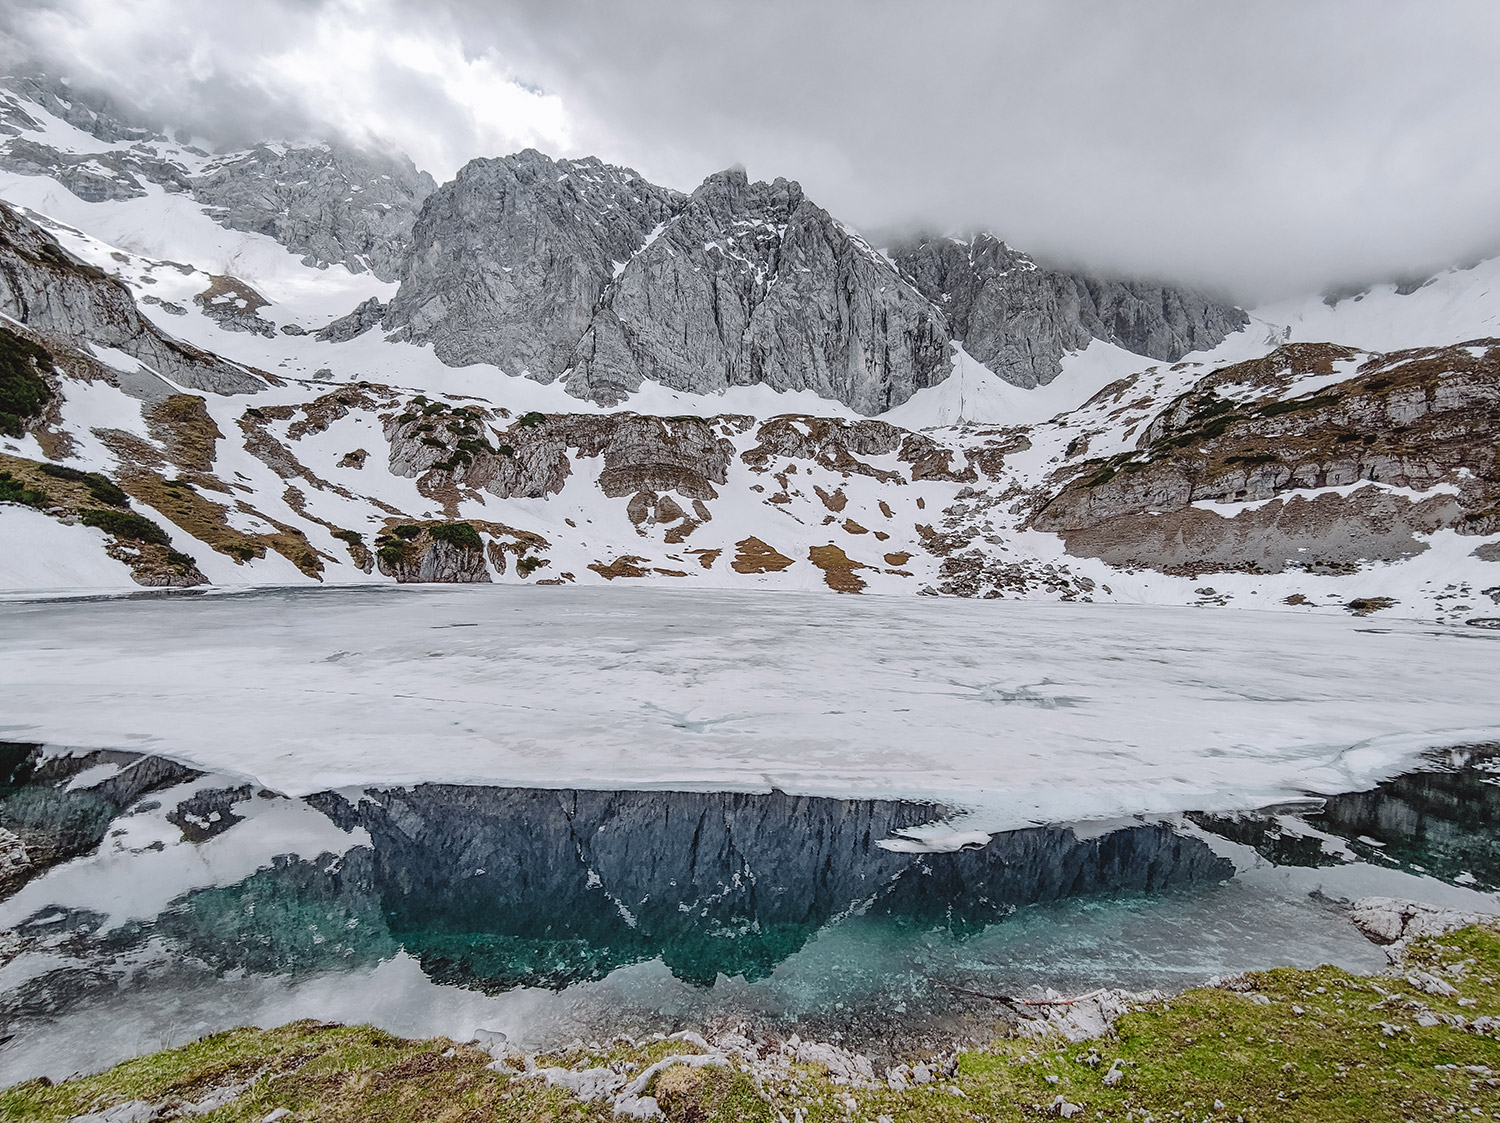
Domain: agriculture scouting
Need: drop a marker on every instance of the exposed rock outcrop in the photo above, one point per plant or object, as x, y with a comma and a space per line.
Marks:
581, 270
509, 260
1422, 420
753, 284
332, 203
1018, 318
356, 323
1387, 920
531, 458
95, 176
455, 552
50, 291
91, 111
235, 305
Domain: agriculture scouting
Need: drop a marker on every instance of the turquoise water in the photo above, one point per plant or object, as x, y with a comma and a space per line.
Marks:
440, 908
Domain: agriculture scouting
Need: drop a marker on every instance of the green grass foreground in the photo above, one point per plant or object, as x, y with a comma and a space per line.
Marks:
1319, 1045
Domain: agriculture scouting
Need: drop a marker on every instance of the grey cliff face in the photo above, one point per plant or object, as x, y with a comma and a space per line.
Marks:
586, 272
46, 289
335, 205
91, 111
509, 261
95, 177
753, 284
1018, 318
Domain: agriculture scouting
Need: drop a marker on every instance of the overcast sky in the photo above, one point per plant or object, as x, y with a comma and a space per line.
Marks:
1260, 147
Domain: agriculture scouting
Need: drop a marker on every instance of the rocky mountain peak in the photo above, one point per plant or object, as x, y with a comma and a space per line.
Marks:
91, 111
753, 284
731, 191
1019, 318
334, 203
509, 260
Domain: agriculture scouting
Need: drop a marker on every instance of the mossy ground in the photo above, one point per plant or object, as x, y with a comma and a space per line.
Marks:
1291, 1045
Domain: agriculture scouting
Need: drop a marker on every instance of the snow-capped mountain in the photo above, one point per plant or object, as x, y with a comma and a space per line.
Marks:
304, 362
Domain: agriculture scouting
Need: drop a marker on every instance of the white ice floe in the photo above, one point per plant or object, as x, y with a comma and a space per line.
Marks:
1017, 712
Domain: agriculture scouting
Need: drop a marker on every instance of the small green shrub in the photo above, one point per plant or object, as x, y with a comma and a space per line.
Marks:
527, 566
534, 417
125, 524
353, 537
392, 553
23, 391
13, 490
406, 530
101, 487
1252, 460
180, 561
462, 535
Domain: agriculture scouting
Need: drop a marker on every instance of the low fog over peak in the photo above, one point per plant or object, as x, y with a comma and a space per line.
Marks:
1258, 149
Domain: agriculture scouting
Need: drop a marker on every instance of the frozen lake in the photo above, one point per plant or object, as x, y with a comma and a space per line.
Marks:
1017, 712
556, 812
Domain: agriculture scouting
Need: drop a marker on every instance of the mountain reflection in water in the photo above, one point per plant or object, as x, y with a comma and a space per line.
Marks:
155, 895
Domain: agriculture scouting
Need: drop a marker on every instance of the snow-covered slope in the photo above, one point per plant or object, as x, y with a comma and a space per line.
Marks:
951, 492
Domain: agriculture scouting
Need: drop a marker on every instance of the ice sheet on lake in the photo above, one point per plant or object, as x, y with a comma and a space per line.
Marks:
1022, 712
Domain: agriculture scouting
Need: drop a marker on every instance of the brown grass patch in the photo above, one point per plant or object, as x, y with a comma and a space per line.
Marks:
835, 502
226, 293
852, 527
838, 568
897, 559
627, 566
208, 521
706, 558
182, 424
755, 556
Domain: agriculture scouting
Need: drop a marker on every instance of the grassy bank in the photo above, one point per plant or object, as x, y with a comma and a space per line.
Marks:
1282, 1045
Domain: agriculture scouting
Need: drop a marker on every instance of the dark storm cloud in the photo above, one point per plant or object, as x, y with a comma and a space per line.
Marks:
1261, 147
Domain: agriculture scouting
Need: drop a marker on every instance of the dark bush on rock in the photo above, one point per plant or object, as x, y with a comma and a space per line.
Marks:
462, 535
23, 391
101, 487
126, 524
